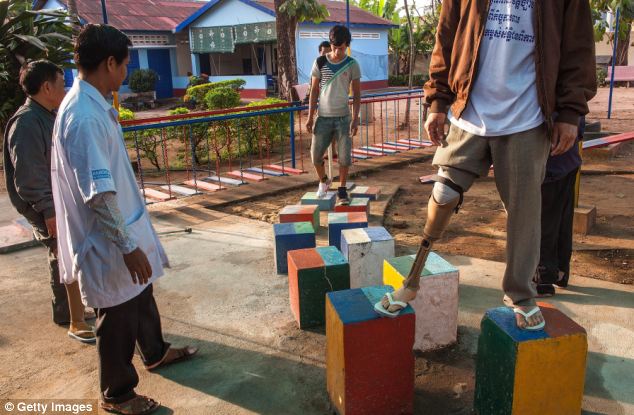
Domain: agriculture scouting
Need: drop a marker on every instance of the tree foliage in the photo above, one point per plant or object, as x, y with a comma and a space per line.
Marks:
599, 8
27, 35
288, 14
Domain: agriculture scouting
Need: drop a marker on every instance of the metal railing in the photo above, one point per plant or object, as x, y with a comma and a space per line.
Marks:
208, 151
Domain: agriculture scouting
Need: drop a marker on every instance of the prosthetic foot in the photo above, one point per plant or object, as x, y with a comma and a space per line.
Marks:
438, 216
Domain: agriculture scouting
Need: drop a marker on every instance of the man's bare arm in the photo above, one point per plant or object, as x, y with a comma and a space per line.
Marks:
356, 106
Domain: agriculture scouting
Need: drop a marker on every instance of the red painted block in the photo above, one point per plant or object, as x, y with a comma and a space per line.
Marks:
200, 185
301, 213
247, 176
369, 359
312, 273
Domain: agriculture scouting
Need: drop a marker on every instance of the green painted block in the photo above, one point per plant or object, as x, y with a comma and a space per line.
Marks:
312, 273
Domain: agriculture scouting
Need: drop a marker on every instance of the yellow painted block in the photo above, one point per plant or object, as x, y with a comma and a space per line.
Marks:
536, 360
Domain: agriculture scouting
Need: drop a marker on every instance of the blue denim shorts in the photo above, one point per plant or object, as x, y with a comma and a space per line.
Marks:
325, 130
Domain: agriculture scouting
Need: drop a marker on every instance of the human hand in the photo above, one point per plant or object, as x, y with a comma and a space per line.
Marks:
309, 125
139, 266
563, 137
435, 127
354, 127
51, 226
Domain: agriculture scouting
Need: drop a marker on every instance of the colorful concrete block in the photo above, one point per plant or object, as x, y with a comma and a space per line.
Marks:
366, 249
371, 192
369, 359
326, 203
344, 220
291, 236
357, 204
311, 274
521, 372
436, 304
300, 213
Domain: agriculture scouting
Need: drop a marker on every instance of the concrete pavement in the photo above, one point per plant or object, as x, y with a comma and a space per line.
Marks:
223, 296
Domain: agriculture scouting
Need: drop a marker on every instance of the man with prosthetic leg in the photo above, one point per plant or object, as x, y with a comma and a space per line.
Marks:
512, 93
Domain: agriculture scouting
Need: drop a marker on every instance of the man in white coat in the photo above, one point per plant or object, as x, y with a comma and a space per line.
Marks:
106, 239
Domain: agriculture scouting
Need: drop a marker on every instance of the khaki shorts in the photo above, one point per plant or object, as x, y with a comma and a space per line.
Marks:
327, 128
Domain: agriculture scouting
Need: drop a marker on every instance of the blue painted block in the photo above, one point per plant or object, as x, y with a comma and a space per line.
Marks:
326, 203
289, 237
339, 221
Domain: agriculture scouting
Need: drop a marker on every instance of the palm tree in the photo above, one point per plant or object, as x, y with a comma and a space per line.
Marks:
288, 14
28, 35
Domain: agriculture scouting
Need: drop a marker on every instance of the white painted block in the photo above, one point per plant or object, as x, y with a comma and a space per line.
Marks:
436, 304
366, 249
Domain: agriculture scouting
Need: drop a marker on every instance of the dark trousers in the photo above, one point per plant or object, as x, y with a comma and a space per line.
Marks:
59, 302
119, 329
558, 199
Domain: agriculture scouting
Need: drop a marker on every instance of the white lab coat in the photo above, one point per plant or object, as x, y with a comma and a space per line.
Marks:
89, 157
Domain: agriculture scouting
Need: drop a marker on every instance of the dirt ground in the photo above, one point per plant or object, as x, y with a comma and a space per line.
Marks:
479, 230
445, 378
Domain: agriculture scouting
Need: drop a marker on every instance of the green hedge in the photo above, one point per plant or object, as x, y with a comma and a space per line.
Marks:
403, 80
197, 93
222, 97
143, 80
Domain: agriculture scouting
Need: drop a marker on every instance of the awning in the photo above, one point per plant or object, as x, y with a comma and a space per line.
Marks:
222, 39
213, 39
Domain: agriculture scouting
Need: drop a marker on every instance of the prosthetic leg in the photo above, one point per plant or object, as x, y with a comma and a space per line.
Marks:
438, 216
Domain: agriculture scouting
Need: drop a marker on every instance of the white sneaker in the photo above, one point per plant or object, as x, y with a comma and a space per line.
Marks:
323, 188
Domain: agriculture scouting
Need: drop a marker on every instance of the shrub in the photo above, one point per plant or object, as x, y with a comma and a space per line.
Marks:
143, 80
125, 114
402, 80
222, 97
197, 93
271, 128
148, 140
602, 73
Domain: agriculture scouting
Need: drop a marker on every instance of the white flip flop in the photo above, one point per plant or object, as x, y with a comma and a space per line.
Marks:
526, 316
378, 307
77, 336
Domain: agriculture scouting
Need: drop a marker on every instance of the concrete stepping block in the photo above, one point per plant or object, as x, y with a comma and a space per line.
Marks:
16, 236
224, 180
359, 156
520, 372
300, 213
436, 304
381, 150
285, 169
369, 358
312, 273
325, 204
371, 192
366, 249
390, 147
156, 195
260, 170
397, 144
291, 236
182, 190
338, 221
335, 186
366, 152
248, 176
202, 185
357, 204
